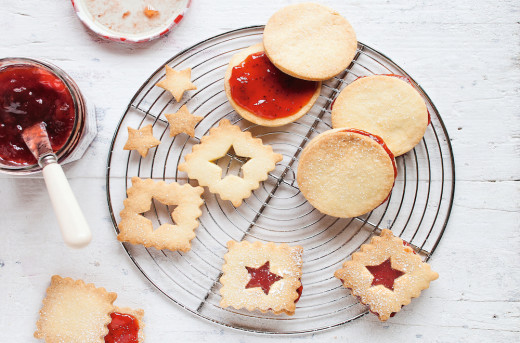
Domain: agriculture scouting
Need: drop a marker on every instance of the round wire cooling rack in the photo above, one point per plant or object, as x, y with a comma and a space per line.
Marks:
417, 210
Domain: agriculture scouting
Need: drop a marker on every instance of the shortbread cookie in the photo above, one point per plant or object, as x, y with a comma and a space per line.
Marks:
74, 312
261, 276
177, 82
141, 140
385, 106
126, 326
182, 121
386, 274
199, 163
263, 94
309, 41
137, 229
346, 173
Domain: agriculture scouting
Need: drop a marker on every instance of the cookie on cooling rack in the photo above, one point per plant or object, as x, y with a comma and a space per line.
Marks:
386, 106
265, 277
309, 41
141, 140
199, 163
264, 95
386, 274
74, 312
182, 121
346, 172
177, 82
136, 229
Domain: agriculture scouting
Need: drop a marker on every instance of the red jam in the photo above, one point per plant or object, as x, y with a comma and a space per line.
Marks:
29, 95
384, 274
262, 277
259, 87
299, 291
124, 328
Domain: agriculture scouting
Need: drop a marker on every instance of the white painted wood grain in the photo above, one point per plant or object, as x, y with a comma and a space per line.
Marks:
466, 55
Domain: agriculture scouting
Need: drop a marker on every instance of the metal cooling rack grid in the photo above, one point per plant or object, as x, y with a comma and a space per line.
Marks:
417, 210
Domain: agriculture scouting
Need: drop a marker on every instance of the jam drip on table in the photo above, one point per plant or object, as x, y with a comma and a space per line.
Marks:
29, 95
262, 277
124, 328
384, 274
261, 88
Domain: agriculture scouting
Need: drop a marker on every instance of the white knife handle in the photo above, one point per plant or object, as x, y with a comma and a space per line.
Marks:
74, 227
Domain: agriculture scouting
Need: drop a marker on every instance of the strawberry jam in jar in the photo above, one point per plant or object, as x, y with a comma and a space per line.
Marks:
33, 92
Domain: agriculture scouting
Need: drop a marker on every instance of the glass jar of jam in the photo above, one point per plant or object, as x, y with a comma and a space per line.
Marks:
33, 91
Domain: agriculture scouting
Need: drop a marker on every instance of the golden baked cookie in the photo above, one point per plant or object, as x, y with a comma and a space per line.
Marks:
262, 276
282, 95
386, 274
199, 163
346, 173
310, 41
385, 106
74, 312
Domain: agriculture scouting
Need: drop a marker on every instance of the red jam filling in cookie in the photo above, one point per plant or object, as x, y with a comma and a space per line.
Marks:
29, 95
124, 328
384, 274
258, 86
262, 277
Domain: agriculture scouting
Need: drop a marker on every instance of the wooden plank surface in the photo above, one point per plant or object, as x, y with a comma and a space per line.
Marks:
465, 54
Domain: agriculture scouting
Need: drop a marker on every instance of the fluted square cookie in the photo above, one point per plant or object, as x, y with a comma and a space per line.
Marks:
386, 274
137, 229
261, 276
74, 312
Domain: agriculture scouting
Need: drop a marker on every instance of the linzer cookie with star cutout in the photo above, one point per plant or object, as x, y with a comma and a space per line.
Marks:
386, 274
75, 312
199, 163
258, 276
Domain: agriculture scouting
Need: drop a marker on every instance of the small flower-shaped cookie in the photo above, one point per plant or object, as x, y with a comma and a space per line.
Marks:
198, 164
386, 274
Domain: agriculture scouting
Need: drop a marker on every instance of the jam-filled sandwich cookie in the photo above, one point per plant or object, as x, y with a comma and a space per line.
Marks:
75, 312
386, 106
199, 164
263, 94
386, 274
265, 277
137, 229
346, 172
309, 41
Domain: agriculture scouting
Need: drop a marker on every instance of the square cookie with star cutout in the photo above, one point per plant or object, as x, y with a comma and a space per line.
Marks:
262, 276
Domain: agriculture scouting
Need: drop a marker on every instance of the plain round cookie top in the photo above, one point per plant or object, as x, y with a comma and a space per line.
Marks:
309, 41
385, 106
345, 174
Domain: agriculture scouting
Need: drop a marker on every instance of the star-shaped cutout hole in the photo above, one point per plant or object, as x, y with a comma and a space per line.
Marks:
177, 82
262, 277
141, 140
384, 274
182, 121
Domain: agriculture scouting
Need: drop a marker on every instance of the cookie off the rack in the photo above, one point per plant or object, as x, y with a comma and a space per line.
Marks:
310, 41
346, 172
263, 94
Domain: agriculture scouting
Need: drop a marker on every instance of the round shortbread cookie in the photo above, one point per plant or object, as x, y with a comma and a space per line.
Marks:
309, 41
248, 115
345, 174
385, 106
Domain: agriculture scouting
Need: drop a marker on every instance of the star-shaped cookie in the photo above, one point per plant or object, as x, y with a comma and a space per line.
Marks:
177, 82
182, 121
141, 140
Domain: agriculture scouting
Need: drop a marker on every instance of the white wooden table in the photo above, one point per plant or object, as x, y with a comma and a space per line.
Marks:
464, 53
